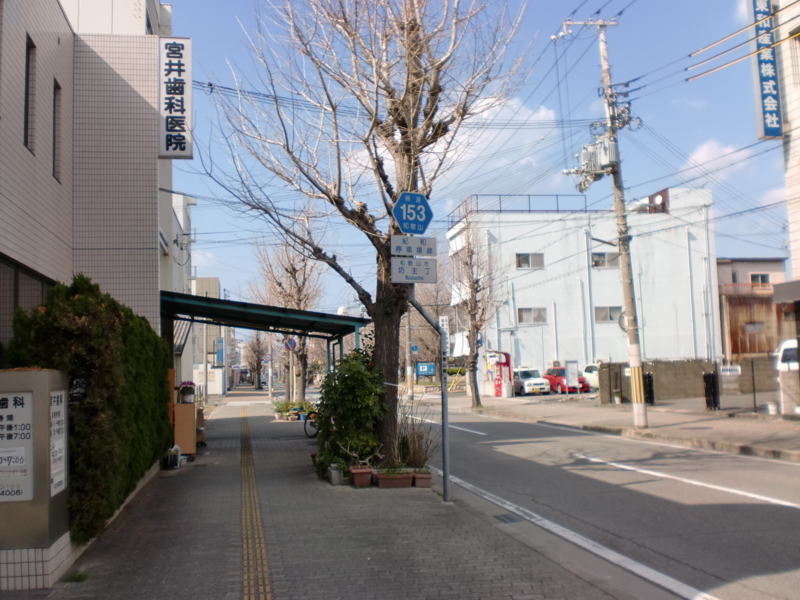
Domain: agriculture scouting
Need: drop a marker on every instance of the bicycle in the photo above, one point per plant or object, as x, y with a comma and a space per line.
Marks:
310, 425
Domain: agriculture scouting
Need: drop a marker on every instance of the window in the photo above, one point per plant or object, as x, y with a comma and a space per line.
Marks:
607, 314
756, 327
605, 260
30, 93
735, 277
531, 316
56, 130
530, 261
759, 278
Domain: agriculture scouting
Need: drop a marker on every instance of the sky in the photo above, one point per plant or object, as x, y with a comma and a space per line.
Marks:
711, 120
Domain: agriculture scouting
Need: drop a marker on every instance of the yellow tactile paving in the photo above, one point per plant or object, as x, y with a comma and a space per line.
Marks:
255, 566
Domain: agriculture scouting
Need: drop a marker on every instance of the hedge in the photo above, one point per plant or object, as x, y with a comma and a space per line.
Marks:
119, 393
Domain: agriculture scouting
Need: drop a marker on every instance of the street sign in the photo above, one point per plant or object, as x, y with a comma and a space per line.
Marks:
290, 344
414, 349
412, 212
444, 323
413, 270
426, 369
410, 245
267, 358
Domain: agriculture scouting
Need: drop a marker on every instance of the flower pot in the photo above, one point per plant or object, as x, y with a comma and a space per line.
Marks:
278, 417
187, 399
362, 476
314, 458
422, 480
400, 480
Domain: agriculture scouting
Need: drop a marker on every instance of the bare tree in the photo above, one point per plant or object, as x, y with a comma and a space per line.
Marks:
475, 275
255, 352
358, 102
292, 280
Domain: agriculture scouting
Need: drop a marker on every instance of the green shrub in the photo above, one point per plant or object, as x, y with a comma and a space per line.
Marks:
456, 370
119, 393
350, 409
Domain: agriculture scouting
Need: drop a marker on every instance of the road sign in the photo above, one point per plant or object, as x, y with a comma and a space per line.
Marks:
410, 245
414, 349
444, 323
413, 270
426, 369
290, 344
412, 212
267, 358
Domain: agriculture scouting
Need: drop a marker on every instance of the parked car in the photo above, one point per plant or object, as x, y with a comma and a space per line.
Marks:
592, 375
529, 381
557, 377
786, 356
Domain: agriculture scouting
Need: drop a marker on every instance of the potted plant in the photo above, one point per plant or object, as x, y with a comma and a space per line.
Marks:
417, 444
186, 392
394, 477
281, 408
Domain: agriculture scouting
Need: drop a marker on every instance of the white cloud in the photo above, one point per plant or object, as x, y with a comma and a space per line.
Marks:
692, 103
773, 196
203, 259
742, 12
711, 157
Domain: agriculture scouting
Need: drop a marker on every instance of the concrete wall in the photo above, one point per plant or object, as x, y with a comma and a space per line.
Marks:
776, 268
684, 378
121, 17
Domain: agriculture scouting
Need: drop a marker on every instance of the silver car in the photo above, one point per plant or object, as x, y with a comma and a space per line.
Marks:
529, 381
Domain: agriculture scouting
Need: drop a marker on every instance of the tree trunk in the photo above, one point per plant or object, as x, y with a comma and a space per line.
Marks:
386, 314
472, 367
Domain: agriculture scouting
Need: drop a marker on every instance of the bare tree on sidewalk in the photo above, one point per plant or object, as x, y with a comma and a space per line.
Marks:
289, 279
359, 101
256, 350
475, 275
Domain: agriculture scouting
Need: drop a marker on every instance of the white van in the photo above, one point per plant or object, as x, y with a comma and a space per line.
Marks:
786, 356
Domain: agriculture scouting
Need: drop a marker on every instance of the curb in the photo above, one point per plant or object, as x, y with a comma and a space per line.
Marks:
629, 432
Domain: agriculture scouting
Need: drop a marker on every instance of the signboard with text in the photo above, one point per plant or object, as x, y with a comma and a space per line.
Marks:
768, 98
426, 369
175, 97
16, 446
58, 449
411, 245
413, 270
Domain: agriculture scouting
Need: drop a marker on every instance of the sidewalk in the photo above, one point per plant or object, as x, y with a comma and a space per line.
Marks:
199, 532
685, 422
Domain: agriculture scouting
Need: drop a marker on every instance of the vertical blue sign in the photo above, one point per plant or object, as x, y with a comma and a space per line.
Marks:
220, 351
768, 96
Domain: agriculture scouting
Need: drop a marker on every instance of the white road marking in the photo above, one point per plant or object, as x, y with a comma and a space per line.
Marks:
451, 426
247, 402
691, 482
645, 572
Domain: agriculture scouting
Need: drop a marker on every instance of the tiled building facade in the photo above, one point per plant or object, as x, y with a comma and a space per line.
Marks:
82, 188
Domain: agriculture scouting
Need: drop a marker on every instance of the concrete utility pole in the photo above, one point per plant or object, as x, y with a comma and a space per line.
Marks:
614, 121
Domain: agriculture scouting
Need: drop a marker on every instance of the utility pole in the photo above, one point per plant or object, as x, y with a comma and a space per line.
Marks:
205, 362
607, 162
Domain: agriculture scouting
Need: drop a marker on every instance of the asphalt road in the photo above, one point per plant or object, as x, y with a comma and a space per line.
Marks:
722, 524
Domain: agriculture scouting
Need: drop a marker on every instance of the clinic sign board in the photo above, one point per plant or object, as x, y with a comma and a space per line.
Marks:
175, 97
768, 98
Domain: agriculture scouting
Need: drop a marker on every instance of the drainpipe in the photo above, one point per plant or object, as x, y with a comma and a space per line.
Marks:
555, 331
691, 291
591, 298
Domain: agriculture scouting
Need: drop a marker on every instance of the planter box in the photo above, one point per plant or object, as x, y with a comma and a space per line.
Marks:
362, 476
401, 480
422, 480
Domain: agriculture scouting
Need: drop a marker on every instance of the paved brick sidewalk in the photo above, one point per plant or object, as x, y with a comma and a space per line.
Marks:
181, 538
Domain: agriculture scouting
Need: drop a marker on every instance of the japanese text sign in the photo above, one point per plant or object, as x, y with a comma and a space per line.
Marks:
412, 213
768, 99
175, 97
16, 446
58, 450
413, 270
409, 245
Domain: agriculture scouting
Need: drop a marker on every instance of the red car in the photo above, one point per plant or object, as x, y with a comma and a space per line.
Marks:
558, 381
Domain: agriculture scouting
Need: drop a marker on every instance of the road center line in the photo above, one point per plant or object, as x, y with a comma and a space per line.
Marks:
691, 482
665, 581
451, 426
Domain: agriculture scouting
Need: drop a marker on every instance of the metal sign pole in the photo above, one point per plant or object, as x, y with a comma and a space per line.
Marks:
445, 351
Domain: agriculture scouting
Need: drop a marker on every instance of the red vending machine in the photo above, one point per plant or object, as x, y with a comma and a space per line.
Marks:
502, 374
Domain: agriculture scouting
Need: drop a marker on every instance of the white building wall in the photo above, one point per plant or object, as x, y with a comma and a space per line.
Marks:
35, 207
121, 17
663, 248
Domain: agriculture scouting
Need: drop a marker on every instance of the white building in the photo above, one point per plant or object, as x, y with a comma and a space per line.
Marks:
83, 189
559, 287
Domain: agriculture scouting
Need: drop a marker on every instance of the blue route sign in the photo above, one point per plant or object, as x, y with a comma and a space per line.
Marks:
412, 212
